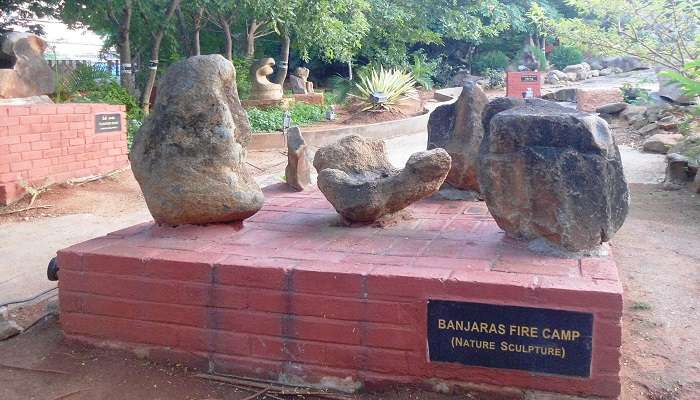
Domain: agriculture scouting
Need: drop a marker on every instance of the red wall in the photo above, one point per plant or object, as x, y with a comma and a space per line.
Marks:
50, 143
515, 86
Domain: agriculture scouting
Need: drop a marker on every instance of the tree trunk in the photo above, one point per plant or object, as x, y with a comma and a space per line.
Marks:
350, 69
197, 50
228, 50
250, 38
155, 50
284, 61
124, 46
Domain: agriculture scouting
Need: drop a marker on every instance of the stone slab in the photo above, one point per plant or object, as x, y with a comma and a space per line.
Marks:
589, 99
292, 293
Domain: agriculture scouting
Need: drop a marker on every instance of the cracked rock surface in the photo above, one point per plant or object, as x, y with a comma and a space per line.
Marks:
189, 155
359, 181
548, 172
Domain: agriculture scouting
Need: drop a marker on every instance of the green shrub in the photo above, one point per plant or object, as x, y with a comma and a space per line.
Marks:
494, 78
540, 56
423, 70
494, 59
563, 56
340, 88
271, 119
243, 81
396, 85
89, 84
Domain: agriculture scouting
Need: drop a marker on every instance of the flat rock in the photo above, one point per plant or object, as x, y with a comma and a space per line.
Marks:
8, 329
611, 108
567, 95
457, 128
298, 171
359, 181
624, 63
661, 143
549, 172
189, 155
677, 173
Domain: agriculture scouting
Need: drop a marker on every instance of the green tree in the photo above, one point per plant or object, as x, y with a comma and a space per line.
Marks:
664, 32
24, 13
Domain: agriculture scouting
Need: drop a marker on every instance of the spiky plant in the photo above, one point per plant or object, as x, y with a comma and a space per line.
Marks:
394, 85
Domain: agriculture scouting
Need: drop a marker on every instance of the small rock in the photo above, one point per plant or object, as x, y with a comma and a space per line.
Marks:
632, 111
605, 72
661, 143
582, 71
595, 73
611, 108
555, 76
648, 129
567, 95
359, 181
457, 128
676, 171
298, 171
8, 329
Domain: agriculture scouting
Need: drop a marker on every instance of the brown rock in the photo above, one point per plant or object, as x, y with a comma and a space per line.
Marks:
189, 155
298, 171
358, 180
589, 99
23, 70
457, 128
661, 143
551, 173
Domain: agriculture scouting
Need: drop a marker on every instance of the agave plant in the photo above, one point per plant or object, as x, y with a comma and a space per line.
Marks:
384, 89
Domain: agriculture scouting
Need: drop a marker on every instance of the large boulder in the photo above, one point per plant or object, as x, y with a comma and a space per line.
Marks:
553, 173
457, 128
672, 91
359, 181
23, 70
555, 76
623, 63
189, 155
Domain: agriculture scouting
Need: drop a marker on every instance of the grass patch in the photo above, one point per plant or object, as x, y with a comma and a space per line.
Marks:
271, 119
640, 306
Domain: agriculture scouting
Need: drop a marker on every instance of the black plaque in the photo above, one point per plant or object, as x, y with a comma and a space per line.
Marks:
497, 336
528, 78
108, 123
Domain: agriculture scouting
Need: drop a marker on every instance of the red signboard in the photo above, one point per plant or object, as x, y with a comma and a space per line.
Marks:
523, 84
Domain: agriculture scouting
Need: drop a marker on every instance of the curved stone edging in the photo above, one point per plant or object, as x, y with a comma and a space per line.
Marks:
381, 130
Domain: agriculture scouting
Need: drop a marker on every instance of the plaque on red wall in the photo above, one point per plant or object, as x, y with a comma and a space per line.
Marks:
524, 84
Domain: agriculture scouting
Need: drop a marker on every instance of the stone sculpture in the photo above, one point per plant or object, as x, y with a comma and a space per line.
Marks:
23, 70
359, 181
298, 171
189, 155
262, 88
549, 172
457, 128
300, 81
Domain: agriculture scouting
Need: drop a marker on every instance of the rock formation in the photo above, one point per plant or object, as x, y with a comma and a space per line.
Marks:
457, 128
358, 180
300, 81
298, 171
262, 88
549, 172
23, 70
189, 155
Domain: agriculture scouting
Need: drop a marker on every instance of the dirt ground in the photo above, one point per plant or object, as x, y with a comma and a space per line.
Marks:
657, 250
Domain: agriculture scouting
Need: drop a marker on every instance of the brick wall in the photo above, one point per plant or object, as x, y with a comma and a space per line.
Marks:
51, 143
515, 86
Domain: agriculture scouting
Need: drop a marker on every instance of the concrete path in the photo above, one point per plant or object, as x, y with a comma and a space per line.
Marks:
26, 248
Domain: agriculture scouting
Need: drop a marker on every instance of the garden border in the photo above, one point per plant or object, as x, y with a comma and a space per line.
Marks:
382, 130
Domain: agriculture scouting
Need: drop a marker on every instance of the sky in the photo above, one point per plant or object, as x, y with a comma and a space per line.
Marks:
68, 44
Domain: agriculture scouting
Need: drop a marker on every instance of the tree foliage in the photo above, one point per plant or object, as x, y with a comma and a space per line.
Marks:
665, 32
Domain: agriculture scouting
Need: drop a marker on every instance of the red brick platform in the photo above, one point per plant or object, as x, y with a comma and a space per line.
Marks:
293, 294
